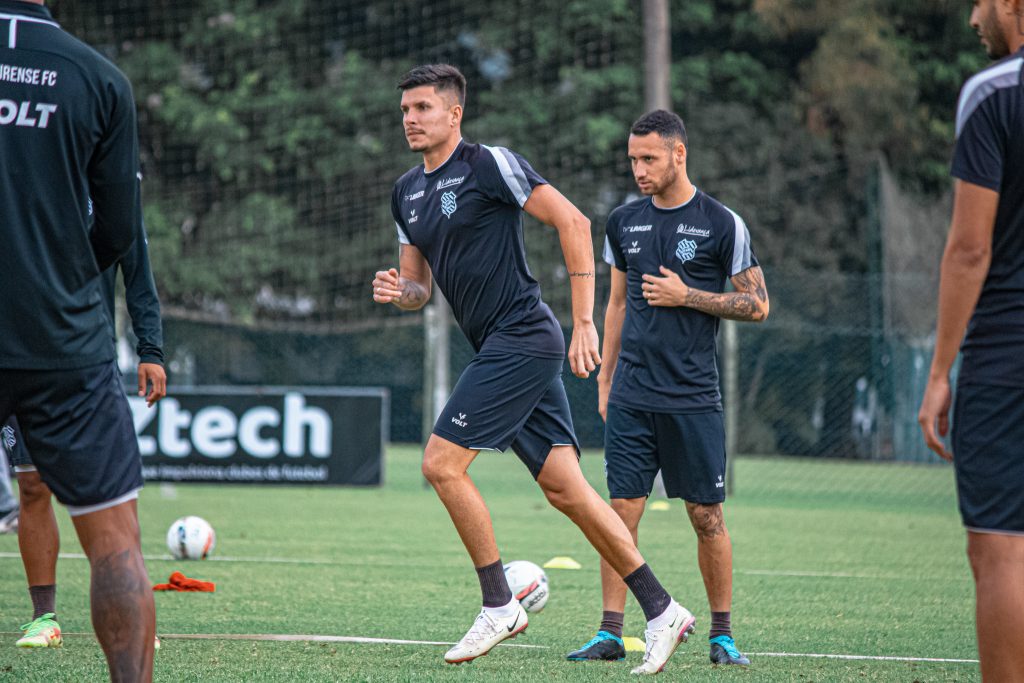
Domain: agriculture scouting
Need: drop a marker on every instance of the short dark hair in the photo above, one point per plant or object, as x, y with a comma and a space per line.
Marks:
442, 76
665, 123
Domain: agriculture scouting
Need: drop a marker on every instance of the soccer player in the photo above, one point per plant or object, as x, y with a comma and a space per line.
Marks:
68, 137
671, 254
981, 293
38, 535
459, 220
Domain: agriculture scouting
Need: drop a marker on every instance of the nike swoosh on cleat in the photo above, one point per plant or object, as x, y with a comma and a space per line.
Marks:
513, 624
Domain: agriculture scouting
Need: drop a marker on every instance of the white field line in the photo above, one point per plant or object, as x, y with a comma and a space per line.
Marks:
873, 658
292, 638
296, 560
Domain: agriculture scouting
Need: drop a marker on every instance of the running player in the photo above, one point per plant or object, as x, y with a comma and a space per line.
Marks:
671, 254
459, 220
981, 293
68, 138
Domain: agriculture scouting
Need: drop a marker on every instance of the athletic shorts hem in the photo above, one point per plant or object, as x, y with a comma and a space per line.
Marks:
998, 532
464, 443
79, 510
627, 496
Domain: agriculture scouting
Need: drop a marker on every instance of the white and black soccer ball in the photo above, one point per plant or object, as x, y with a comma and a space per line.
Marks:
529, 584
191, 538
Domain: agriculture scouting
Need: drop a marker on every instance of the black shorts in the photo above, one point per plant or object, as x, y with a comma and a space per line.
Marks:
78, 427
688, 448
15, 446
988, 454
504, 400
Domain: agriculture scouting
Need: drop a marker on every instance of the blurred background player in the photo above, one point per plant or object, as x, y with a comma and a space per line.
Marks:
459, 220
38, 534
8, 503
671, 254
981, 292
73, 143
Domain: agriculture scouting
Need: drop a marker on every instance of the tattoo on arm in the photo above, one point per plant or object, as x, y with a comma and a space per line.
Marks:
414, 295
748, 303
582, 274
707, 520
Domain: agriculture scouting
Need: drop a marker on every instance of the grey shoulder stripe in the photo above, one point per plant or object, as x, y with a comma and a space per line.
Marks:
12, 30
511, 172
402, 237
609, 255
741, 247
981, 86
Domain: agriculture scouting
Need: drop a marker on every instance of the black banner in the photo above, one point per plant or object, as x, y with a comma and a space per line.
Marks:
266, 435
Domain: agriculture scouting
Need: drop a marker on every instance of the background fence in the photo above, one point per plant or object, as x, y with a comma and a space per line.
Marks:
271, 138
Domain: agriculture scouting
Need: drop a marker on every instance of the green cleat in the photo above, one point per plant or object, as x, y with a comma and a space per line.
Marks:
43, 631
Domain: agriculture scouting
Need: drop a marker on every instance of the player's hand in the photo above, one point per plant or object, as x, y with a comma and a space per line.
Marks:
153, 377
584, 350
668, 290
387, 286
934, 415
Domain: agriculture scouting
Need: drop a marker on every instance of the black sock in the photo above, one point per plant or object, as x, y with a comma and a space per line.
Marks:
494, 585
611, 622
648, 591
44, 599
720, 624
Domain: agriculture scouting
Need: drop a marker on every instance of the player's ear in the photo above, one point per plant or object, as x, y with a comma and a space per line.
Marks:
456, 114
680, 152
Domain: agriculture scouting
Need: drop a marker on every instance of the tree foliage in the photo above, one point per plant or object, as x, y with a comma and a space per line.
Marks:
271, 133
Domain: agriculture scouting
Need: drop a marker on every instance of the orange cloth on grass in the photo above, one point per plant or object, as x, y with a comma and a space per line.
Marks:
180, 582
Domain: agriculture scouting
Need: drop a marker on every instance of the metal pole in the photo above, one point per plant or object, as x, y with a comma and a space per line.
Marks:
437, 318
731, 399
657, 85
657, 56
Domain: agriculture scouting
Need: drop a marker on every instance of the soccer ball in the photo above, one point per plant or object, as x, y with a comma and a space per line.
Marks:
529, 584
190, 538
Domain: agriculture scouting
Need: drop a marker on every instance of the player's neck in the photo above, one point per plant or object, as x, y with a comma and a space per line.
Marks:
435, 157
675, 195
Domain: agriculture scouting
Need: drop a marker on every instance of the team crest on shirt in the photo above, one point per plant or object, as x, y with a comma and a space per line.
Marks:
8, 437
686, 250
448, 204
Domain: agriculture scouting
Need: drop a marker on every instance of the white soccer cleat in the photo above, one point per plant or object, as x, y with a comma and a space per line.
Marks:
486, 632
662, 642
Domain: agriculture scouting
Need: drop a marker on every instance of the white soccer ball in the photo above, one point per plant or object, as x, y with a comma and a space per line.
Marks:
191, 538
529, 584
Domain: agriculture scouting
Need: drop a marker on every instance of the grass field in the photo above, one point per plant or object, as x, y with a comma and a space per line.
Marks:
830, 558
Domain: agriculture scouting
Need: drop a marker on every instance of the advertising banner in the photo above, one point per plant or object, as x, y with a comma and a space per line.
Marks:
265, 435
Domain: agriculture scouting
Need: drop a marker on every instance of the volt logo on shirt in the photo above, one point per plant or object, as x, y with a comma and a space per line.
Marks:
24, 114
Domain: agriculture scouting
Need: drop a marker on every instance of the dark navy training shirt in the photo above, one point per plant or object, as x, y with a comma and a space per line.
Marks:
67, 134
669, 360
465, 217
990, 153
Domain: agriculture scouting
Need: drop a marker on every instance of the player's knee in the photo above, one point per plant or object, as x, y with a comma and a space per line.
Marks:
437, 469
32, 490
566, 499
707, 520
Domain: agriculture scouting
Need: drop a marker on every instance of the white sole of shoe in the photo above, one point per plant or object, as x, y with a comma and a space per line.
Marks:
470, 659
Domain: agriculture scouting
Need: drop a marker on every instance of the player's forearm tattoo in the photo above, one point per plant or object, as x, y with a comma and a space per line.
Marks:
414, 295
707, 520
746, 304
584, 274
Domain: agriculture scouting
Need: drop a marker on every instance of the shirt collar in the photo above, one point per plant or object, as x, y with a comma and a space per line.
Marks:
25, 9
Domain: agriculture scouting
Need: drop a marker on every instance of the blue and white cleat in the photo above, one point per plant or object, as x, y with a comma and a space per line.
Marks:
723, 651
602, 647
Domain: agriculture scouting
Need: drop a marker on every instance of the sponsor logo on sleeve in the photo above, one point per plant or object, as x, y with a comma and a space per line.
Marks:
633, 248
413, 197
637, 228
413, 217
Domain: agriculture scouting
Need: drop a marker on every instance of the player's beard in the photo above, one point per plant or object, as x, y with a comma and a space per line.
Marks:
667, 181
992, 34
